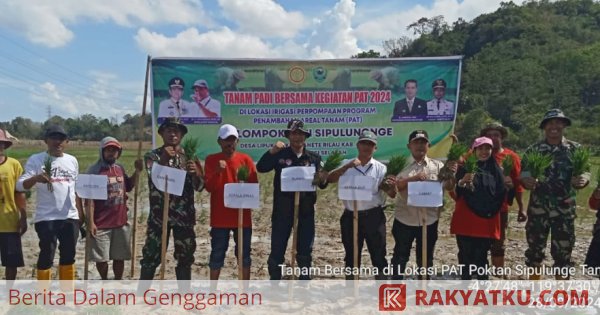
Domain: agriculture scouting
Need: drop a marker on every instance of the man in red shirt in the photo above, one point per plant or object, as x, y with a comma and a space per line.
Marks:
220, 169
108, 227
498, 133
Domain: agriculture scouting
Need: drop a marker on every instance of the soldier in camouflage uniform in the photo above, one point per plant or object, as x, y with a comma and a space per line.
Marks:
182, 214
552, 201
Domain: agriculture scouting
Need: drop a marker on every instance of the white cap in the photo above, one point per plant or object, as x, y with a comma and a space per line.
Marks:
227, 131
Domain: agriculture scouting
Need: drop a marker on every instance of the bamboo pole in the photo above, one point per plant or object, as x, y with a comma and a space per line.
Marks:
86, 266
165, 222
295, 231
137, 178
355, 237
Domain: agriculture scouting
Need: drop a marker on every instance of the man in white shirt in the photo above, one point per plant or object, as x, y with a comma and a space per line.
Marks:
175, 106
371, 219
57, 215
409, 220
209, 107
439, 105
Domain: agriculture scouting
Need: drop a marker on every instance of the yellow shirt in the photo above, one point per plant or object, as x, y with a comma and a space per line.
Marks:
10, 171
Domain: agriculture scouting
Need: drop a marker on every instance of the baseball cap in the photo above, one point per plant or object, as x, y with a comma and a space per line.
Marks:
481, 141
418, 134
56, 130
200, 83
176, 82
367, 135
227, 131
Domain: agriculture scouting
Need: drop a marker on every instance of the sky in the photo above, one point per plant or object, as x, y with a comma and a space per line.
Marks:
73, 57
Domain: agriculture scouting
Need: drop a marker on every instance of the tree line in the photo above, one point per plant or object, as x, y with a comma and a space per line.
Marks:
86, 127
519, 61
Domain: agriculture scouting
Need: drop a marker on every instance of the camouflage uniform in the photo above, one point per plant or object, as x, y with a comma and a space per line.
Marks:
182, 218
551, 207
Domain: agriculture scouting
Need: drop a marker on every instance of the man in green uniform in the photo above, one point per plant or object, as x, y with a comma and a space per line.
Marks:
551, 207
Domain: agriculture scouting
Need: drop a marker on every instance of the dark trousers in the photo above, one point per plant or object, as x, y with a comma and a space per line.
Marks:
371, 228
592, 259
473, 251
404, 235
185, 245
282, 222
65, 232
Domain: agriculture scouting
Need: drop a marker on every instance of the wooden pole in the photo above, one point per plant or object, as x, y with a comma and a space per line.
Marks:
295, 231
355, 237
86, 266
424, 240
137, 179
165, 222
240, 242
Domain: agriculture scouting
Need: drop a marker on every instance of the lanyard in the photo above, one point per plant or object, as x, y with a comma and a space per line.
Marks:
366, 171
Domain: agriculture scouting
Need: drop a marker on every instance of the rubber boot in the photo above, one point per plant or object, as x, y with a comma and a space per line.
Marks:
66, 275
146, 277
498, 261
43, 276
184, 275
537, 274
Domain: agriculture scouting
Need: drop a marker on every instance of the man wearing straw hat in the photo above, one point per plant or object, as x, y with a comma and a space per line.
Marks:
221, 168
409, 220
498, 134
13, 218
279, 157
551, 208
182, 214
108, 218
371, 219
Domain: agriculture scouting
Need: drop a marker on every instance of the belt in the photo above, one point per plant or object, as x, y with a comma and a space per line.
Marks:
363, 212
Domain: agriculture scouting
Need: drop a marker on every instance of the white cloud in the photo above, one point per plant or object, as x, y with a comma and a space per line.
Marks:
100, 99
393, 25
222, 43
263, 18
46, 22
333, 36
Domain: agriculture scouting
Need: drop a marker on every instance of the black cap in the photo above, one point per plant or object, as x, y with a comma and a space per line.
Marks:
439, 83
173, 122
55, 130
176, 82
296, 124
418, 134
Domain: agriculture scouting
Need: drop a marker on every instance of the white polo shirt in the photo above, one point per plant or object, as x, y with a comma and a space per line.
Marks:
373, 169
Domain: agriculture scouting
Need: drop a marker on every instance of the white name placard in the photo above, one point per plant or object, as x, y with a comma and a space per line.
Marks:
242, 196
176, 178
358, 188
90, 186
425, 194
297, 178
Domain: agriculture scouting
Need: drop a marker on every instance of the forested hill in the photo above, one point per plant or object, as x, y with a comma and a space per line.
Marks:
520, 61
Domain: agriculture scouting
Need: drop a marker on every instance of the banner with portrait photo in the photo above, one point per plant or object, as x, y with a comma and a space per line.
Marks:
336, 99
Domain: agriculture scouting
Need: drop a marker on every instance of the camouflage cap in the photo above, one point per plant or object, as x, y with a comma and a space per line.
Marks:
367, 135
494, 125
173, 122
295, 124
555, 113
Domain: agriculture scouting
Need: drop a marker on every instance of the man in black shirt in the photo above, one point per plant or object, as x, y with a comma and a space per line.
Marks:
279, 157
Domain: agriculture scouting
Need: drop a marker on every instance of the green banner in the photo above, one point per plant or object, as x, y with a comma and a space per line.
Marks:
336, 99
